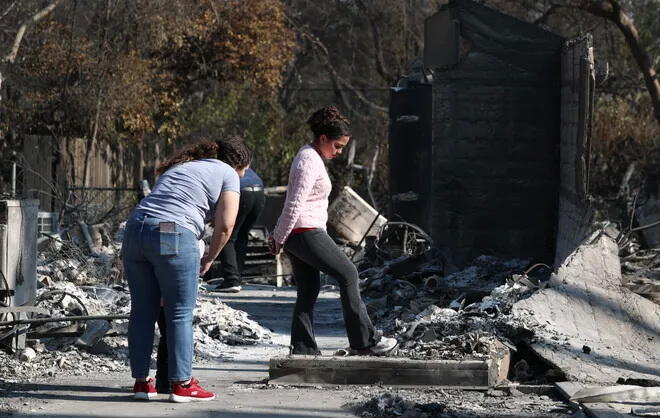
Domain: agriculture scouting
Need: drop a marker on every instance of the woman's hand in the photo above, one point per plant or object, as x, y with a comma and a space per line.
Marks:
273, 246
205, 265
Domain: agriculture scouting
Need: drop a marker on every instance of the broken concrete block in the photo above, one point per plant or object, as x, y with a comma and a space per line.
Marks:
621, 393
591, 307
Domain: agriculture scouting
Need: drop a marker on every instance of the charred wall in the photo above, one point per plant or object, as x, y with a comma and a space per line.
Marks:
410, 157
495, 134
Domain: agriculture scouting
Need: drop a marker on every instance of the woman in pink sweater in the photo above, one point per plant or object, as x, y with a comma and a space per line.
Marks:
301, 231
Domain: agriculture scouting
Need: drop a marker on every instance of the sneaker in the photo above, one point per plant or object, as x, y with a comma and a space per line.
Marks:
384, 346
191, 392
227, 288
144, 390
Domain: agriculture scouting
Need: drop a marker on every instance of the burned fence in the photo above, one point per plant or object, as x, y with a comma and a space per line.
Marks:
69, 171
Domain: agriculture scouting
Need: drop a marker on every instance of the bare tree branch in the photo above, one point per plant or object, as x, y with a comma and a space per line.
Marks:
612, 11
6, 12
11, 57
378, 47
340, 84
543, 19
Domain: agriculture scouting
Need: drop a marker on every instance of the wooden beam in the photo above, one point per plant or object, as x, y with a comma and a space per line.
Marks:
400, 372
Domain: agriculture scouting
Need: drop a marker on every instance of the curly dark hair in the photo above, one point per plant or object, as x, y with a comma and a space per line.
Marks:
329, 122
231, 150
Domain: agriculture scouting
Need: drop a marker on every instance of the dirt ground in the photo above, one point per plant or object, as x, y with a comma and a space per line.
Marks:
240, 382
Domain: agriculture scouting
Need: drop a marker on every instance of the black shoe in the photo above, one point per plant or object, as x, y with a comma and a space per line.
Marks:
303, 351
227, 287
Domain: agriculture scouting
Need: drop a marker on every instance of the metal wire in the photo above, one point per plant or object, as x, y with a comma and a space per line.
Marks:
410, 239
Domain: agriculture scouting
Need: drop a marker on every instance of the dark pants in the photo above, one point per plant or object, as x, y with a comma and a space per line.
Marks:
232, 256
312, 252
162, 382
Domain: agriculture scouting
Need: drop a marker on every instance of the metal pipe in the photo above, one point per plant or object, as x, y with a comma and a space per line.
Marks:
367, 232
61, 319
55, 334
13, 179
640, 228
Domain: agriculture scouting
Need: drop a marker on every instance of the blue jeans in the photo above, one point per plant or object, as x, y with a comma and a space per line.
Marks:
160, 258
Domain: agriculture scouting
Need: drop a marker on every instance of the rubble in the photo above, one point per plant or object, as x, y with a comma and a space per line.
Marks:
443, 403
74, 283
459, 316
590, 307
216, 325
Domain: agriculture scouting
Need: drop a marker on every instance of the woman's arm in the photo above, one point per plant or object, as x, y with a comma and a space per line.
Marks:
225, 217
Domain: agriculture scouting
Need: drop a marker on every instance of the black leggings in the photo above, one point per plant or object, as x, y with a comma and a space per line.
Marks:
312, 252
161, 357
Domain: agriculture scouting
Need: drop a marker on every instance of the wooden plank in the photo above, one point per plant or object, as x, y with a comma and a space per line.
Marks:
319, 370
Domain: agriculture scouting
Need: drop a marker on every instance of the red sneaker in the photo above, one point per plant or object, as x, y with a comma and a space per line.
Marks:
192, 392
144, 390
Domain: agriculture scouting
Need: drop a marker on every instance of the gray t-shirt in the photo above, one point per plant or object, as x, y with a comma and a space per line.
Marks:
187, 193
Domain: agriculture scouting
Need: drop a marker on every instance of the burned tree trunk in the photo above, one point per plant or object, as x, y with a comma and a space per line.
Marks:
612, 11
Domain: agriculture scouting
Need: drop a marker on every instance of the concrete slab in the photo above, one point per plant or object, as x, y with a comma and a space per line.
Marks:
625, 405
592, 327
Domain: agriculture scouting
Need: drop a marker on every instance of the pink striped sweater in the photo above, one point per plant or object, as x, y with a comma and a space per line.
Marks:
306, 204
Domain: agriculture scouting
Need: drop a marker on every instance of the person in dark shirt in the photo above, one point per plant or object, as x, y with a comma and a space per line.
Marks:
232, 256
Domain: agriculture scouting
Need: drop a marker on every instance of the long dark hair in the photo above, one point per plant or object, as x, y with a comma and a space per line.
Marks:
231, 150
329, 122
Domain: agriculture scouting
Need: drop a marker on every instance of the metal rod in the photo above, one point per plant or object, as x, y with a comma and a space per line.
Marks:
640, 228
105, 189
61, 319
13, 179
367, 231
55, 334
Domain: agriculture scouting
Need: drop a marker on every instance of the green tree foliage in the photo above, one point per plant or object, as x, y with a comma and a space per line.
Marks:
116, 70
154, 70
